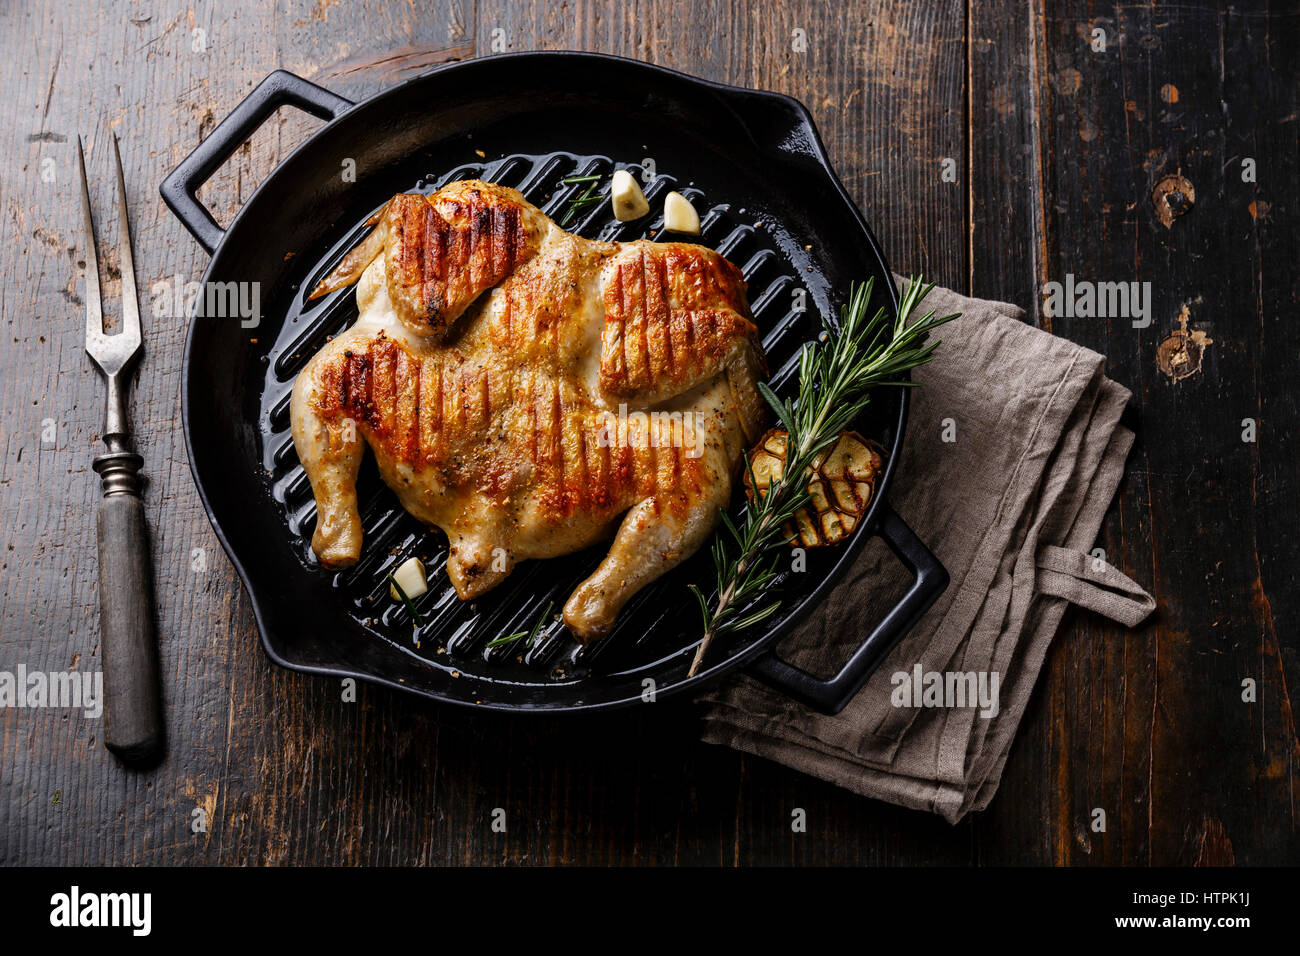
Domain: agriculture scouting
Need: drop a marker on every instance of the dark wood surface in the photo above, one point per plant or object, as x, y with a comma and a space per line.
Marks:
1057, 148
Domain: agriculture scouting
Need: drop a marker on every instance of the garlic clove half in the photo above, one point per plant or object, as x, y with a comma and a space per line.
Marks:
680, 215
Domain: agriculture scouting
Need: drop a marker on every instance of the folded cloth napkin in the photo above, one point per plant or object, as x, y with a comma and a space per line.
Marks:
1013, 453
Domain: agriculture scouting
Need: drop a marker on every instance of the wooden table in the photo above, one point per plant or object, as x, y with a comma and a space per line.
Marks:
1052, 145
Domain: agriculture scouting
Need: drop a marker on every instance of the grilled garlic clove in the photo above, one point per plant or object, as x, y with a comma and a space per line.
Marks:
680, 215
410, 578
625, 195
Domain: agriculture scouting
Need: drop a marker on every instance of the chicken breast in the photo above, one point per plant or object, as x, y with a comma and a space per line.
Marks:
530, 392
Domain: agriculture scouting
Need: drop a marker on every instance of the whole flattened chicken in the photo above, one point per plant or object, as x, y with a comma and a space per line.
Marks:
524, 389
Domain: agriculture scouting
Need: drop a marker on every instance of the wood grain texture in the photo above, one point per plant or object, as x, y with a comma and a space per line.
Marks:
1057, 150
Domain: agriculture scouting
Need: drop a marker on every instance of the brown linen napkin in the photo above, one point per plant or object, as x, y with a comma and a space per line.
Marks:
1013, 453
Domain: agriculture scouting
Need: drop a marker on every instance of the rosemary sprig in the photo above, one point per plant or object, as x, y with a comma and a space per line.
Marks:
530, 635
578, 202
836, 376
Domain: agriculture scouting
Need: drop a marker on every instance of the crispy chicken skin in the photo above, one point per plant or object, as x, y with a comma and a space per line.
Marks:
529, 391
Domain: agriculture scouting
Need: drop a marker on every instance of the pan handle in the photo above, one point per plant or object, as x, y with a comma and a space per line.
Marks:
179, 190
831, 696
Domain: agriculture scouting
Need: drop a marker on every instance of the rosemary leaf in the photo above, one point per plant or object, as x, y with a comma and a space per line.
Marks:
530, 636
508, 639
580, 200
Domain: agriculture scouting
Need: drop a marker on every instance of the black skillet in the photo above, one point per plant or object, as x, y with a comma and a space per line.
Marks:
751, 162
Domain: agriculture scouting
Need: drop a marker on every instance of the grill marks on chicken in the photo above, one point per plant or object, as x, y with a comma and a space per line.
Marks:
652, 351
443, 254
431, 416
588, 387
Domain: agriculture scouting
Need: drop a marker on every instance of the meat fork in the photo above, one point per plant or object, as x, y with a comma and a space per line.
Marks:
133, 728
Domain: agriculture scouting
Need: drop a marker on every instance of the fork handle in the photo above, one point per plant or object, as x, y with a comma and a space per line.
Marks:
133, 726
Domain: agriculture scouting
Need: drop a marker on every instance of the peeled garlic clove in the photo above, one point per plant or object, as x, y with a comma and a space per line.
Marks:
625, 195
680, 215
410, 578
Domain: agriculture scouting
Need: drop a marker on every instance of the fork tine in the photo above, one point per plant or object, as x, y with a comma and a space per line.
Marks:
130, 303
94, 306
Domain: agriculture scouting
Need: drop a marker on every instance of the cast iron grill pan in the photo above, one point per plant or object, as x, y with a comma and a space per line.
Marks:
345, 622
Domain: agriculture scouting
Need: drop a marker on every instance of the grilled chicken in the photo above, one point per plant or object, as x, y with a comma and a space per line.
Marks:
531, 392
